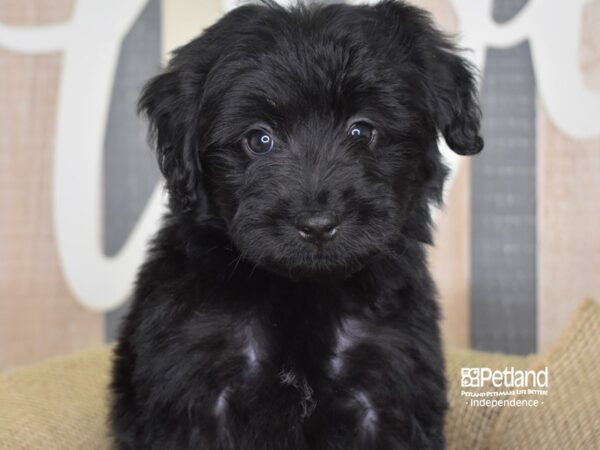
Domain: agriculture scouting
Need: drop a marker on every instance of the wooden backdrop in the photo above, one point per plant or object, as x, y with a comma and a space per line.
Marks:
41, 317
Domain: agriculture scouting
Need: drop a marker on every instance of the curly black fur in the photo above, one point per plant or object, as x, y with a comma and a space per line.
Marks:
243, 335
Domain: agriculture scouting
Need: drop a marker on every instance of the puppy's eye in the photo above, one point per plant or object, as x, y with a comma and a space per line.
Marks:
259, 142
363, 131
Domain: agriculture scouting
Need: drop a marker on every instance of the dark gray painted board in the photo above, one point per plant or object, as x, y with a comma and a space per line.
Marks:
504, 10
130, 170
503, 208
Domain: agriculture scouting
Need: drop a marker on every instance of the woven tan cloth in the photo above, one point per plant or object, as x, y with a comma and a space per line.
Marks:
570, 416
62, 404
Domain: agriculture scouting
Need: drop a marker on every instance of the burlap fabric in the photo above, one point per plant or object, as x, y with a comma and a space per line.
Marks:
57, 405
570, 416
62, 404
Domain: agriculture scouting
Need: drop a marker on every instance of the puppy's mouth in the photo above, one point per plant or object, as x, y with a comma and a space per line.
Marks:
298, 252
313, 262
314, 242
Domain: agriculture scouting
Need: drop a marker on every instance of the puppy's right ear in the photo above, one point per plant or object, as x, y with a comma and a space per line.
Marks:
172, 101
171, 115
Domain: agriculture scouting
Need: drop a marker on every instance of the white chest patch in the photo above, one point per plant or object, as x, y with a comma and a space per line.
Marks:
348, 334
369, 418
221, 404
250, 349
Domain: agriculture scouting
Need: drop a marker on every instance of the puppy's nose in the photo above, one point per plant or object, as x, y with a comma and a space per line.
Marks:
317, 227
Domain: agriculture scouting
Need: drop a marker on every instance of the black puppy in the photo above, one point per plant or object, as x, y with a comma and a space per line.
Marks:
286, 302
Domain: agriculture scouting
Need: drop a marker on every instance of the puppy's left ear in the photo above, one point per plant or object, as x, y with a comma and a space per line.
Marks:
453, 104
448, 79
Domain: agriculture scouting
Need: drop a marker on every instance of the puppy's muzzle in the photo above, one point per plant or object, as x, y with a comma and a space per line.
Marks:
317, 227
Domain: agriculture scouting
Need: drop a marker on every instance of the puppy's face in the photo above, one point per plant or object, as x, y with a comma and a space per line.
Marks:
312, 132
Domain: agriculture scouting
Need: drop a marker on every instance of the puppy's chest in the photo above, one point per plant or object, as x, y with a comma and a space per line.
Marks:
325, 352
318, 375
293, 351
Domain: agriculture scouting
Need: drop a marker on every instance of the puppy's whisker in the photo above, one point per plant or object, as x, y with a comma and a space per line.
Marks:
237, 263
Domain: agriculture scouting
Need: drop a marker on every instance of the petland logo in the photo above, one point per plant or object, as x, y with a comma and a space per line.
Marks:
507, 378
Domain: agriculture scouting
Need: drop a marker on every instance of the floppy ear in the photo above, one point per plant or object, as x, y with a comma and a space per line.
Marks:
171, 116
454, 105
172, 101
448, 79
